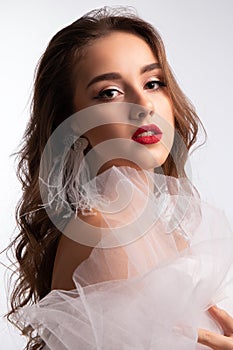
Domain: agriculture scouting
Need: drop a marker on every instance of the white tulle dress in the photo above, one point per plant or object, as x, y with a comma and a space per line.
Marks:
161, 259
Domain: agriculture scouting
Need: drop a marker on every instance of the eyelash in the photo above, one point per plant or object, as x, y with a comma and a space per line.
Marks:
158, 82
101, 94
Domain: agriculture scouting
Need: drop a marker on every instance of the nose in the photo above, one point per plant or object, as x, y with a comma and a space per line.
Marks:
141, 108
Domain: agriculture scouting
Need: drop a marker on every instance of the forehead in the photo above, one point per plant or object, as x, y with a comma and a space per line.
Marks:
116, 51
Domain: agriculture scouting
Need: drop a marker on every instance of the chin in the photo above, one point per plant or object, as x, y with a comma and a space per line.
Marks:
155, 160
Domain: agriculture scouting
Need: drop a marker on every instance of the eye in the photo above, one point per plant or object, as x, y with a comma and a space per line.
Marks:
108, 94
155, 84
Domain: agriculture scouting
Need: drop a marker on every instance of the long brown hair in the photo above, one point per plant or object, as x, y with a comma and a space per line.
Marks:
35, 245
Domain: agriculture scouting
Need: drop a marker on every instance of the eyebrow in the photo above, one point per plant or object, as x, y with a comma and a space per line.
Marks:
150, 67
115, 76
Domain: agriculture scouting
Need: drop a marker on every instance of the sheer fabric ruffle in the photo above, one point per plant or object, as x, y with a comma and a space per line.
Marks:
161, 258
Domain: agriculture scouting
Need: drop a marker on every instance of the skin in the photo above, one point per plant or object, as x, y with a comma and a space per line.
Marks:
218, 341
112, 54
126, 55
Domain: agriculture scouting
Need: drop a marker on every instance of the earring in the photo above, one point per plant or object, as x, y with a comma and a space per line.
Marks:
80, 144
77, 174
64, 181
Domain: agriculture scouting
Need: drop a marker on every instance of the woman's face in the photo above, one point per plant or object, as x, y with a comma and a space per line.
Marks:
119, 77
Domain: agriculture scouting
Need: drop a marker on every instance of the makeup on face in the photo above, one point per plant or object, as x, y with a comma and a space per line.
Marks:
147, 134
121, 68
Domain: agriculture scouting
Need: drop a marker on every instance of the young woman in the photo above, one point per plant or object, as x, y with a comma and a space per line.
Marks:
116, 249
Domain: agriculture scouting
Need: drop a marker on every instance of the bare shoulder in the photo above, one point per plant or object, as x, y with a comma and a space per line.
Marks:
75, 246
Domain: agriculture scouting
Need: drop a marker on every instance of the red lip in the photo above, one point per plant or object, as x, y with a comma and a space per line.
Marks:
156, 137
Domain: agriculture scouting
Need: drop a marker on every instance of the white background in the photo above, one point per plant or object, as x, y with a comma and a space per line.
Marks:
198, 39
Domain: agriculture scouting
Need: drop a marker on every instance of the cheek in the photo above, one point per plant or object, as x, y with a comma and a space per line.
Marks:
106, 132
168, 112
164, 108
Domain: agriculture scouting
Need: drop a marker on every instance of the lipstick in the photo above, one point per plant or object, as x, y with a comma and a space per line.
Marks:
147, 134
